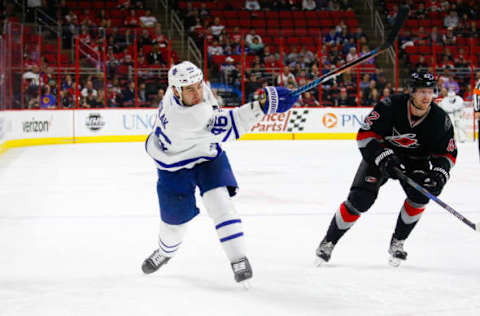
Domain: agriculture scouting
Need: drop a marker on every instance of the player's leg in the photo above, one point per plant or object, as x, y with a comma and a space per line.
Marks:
176, 195
363, 194
410, 213
217, 185
460, 128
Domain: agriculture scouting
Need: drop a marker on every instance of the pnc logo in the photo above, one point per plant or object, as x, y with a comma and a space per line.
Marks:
330, 120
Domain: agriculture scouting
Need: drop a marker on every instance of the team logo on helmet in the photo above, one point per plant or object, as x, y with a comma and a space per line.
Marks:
174, 71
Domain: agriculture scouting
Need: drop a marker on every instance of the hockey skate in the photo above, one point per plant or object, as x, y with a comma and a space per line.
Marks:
154, 262
397, 254
324, 251
242, 271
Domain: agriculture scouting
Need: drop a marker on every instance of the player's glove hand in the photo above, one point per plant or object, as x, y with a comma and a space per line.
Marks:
436, 180
277, 100
389, 163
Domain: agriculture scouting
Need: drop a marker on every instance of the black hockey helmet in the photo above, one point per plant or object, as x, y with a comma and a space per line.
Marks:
421, 79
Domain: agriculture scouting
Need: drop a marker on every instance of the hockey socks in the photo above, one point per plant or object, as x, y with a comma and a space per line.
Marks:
342, 221
407, 219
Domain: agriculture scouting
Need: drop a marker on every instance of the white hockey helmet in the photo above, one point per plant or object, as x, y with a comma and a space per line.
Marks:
184, 74
451, 94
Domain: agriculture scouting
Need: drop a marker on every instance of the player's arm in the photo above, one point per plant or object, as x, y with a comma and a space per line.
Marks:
444, 155
226, 125
370, 140
374, 127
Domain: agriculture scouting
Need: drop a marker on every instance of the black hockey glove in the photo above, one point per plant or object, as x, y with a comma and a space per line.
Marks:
434, 183
388, 163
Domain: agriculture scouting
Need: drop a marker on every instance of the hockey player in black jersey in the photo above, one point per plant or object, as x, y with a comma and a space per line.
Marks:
407, 133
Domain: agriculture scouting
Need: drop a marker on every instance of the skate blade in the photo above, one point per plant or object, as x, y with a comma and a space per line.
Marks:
246, 285
394, 262
318, 262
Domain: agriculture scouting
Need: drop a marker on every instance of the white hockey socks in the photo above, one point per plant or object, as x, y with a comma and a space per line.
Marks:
227, 223
170, 238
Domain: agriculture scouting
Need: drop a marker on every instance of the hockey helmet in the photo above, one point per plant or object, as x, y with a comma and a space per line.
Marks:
184, 74
421, 79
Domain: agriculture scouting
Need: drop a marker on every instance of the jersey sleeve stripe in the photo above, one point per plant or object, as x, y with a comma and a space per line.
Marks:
451, 159
363, 138
234, 125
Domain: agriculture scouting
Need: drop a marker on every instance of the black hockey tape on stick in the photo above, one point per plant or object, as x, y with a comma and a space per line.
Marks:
444, 205
402, 16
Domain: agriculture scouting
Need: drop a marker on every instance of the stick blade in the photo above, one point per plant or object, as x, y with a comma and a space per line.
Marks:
402, 16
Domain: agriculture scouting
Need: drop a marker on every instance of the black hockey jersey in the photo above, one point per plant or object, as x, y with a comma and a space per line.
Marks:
390, 124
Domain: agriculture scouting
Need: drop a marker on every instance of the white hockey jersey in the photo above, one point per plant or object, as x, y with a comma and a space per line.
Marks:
184, 136
452, 104
476, 97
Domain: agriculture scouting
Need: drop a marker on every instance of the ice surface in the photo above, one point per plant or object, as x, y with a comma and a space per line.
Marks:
76, 222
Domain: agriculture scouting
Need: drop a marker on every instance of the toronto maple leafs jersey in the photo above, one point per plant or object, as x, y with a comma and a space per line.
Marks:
184, 136
390, 124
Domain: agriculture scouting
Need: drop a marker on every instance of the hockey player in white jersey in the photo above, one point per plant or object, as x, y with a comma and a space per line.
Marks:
453, 105
476, 108
185, 147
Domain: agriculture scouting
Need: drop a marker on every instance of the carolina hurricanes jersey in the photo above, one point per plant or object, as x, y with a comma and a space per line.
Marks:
391, 124
184, 136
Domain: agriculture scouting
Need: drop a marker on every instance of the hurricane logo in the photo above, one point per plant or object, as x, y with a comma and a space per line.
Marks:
329, 120
403, 140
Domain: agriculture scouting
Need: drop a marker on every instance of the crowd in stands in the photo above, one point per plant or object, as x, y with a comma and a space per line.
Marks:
441, 33
290, 65
115, 24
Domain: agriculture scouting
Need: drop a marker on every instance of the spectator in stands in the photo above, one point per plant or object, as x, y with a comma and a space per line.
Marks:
158, 37
217, 28
88, 88
155, 56
148, 20
307, 99
203, 11
142, 93
343, 99
256, 46
331, 37
286, 75
292, 55
471, 30
128, 95
451, 20
452, 84
359, 34
385, 94
158, 97
449, 37
352, 54
421, 63
251, 35
309, 5
48, 100
251, 85
100, 99
420, 12
144, 39
214, 49
435, 37
103, 20
252, 5
132, 20
229, 71
365, 50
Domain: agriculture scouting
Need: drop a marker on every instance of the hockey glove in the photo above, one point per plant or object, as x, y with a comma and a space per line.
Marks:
419, 176
437, 178
277, 100
389, 163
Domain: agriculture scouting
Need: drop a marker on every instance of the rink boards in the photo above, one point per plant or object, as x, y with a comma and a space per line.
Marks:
41, 127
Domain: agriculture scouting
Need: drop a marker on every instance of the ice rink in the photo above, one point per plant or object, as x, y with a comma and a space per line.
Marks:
76, 222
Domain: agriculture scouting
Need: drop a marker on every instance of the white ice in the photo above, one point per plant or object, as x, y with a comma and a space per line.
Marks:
76, 222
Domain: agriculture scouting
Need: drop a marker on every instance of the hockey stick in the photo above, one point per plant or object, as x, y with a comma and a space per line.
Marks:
399, 21
444, 205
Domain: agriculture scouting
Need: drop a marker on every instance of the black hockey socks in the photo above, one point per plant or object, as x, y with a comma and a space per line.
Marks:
342, 221
407, 219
